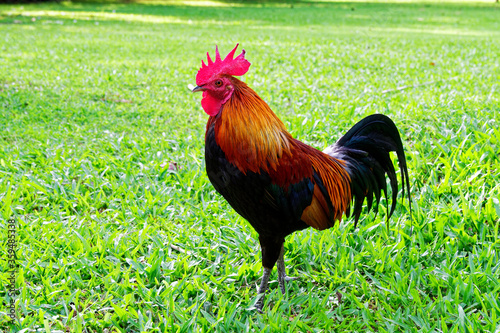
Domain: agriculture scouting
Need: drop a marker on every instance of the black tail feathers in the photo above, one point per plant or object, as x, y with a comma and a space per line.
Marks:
366, 149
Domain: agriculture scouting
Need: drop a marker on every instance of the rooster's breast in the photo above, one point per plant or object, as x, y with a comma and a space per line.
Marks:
250, 194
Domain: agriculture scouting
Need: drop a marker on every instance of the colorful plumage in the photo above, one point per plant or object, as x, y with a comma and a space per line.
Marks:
279, 184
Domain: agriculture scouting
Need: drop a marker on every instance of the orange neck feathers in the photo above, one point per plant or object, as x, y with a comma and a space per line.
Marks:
250, 134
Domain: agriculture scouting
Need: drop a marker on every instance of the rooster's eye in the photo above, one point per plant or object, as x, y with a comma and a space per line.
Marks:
218, 83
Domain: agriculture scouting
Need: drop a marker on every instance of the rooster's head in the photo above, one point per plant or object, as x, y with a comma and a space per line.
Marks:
214, 79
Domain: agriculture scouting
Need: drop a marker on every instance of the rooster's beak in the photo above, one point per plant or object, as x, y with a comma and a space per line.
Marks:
198, 88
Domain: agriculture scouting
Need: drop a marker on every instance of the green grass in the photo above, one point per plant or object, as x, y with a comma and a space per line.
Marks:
112, 237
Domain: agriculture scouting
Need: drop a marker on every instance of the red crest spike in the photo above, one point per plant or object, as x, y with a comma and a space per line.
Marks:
229, 66
217, 55
230, 55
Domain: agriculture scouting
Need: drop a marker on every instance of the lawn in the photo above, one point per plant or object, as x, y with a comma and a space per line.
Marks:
118, 229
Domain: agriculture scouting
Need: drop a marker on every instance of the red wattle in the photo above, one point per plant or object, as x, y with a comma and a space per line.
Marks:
210, 104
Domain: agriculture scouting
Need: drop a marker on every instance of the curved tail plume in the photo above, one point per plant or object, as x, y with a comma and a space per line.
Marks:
366, 149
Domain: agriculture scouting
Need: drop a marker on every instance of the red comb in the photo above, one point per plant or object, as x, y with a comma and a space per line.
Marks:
237, 66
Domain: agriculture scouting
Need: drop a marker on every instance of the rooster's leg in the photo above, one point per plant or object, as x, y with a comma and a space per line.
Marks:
282, 277
270, 253
263, 287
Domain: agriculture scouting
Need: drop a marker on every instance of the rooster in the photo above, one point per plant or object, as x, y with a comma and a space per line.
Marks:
279, 184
